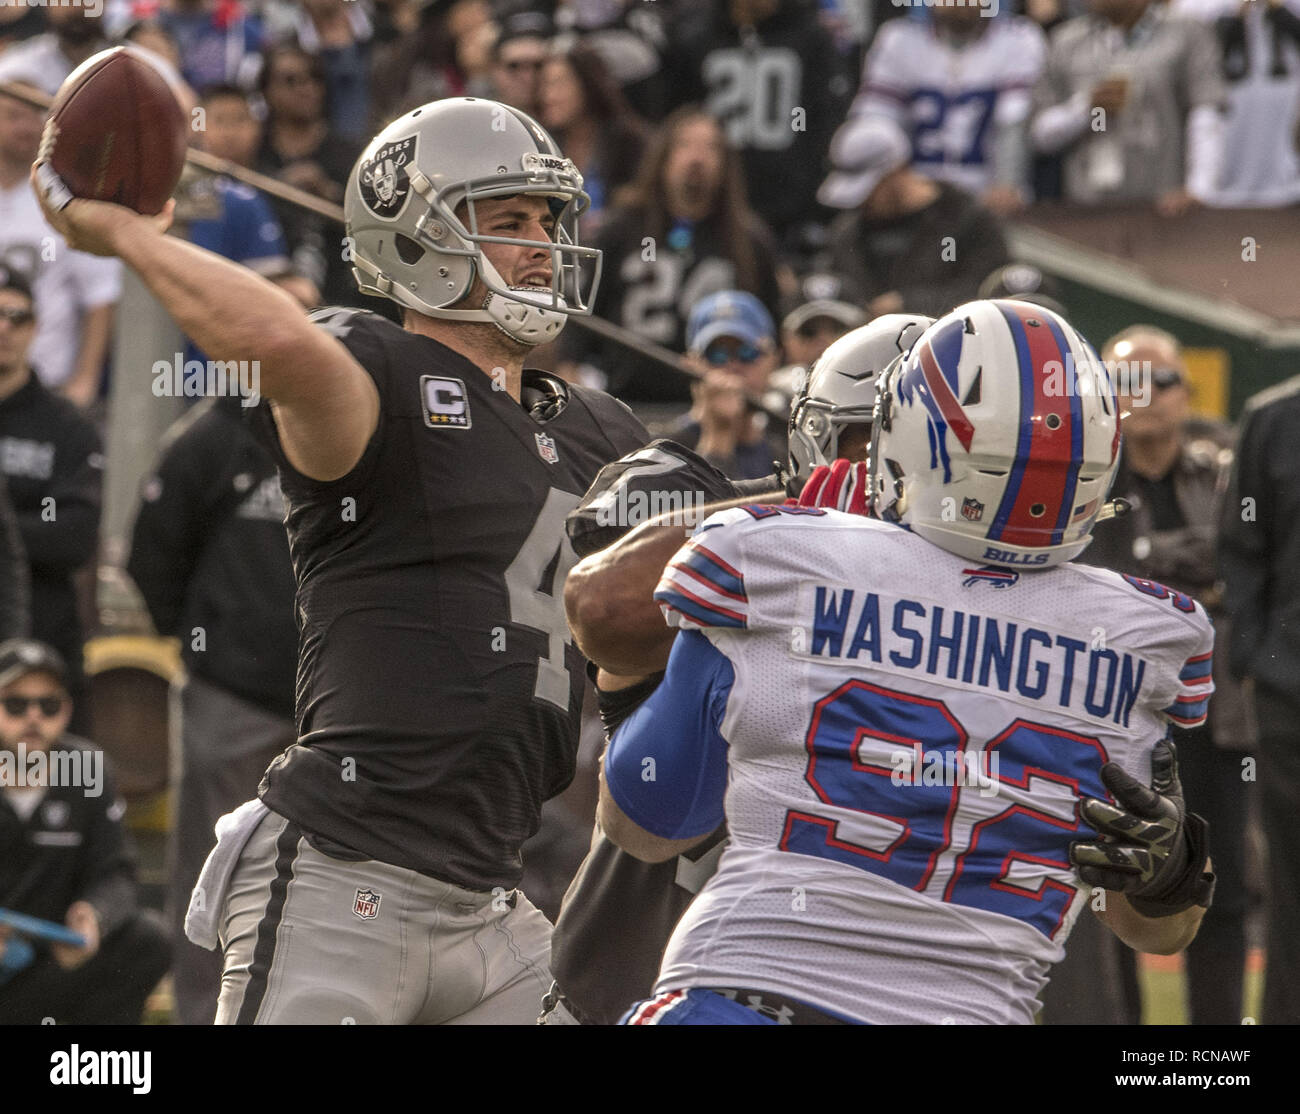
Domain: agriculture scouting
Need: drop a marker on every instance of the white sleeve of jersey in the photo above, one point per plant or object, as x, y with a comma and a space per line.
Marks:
1190, 700
703, 586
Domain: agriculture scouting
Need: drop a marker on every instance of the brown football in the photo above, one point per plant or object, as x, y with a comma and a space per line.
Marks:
116, 131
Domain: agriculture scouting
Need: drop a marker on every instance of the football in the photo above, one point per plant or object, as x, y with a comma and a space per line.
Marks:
116, 132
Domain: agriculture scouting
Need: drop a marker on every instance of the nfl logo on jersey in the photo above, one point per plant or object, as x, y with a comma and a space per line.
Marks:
366, 905
546, 447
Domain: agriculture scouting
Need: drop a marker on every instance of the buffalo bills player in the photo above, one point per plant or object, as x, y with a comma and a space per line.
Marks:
428, 474
918, 727
619, 912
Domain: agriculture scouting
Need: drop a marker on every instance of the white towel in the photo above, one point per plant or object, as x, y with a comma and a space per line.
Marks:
209, 896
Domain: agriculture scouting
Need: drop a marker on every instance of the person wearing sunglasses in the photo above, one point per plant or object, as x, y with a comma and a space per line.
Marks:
65, 857
52, 461
731, 342
518, 55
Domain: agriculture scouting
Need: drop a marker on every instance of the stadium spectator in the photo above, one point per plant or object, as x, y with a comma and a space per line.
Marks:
518, 55
960, 86
1132, 96
1259, 45
1175, 485
150, 35
219, 40
65, 857
632, 38
1259, 555
75, 34
210, 557
809, 328
1026, 283
51, 457
904, 240
585, 111
233, 219
339, 33
731, 342
20, 22
429, 63
75, 293
299, 145
680, 230
770, 72
301, 149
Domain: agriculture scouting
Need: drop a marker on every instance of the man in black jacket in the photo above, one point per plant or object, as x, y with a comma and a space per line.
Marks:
211, 558
1259, 555
51, 458
65, 857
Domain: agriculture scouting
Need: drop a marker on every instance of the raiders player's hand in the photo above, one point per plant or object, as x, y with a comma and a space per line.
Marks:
97, 227
841, 485
1149, 847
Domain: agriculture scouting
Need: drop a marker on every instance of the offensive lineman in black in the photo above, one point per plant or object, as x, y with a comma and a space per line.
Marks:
428, 475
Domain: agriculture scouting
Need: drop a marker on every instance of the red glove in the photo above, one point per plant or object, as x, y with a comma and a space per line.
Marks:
840, 486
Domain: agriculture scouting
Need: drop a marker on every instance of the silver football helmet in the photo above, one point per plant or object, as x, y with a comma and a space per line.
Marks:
840, 388
408, 243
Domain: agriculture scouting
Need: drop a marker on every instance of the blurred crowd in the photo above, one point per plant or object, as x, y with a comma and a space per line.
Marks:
765, 175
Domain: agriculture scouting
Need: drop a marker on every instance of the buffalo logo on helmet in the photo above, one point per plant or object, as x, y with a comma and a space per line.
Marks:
383, 181
366, 905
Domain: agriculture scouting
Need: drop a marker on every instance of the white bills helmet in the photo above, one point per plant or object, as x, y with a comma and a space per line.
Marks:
840, 388
997, 436
408, 244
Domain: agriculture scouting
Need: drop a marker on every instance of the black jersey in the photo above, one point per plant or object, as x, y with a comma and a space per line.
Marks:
438, 691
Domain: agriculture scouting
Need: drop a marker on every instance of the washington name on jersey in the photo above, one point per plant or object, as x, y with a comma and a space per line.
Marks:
834, 657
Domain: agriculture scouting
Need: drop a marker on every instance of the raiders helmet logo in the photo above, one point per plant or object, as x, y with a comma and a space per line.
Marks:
382, 179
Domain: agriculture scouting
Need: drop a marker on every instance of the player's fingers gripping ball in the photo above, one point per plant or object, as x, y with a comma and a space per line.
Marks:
841, 485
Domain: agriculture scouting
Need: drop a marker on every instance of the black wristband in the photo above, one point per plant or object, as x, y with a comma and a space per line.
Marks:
616, 706
1196, 884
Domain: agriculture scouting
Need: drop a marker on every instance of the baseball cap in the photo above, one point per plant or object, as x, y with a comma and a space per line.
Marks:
15, 280
864, 150
1025, 283
729, 313
842, 313
20, 656
528, 24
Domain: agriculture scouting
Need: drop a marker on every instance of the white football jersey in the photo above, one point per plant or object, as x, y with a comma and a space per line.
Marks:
908, 736
953, 100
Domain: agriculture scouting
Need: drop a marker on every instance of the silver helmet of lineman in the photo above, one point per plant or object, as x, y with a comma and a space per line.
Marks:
840, 388
409, 241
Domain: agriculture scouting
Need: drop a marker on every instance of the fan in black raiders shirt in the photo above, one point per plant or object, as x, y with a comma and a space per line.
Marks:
428, 475
619, 911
